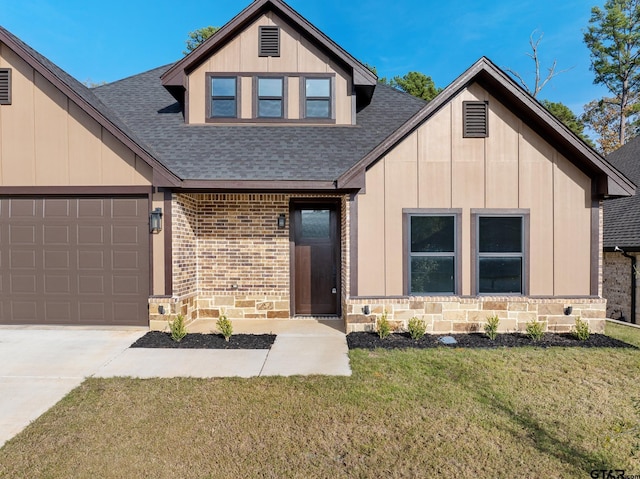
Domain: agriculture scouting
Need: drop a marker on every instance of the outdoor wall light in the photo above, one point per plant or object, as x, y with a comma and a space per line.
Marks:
155, 221
366, 309
568, 310
282, 221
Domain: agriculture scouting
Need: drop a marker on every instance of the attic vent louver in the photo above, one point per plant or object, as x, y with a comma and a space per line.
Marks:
269, 42
475, 119
5, 86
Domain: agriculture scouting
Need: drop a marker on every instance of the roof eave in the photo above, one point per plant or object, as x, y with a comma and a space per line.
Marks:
487, 73
159, 170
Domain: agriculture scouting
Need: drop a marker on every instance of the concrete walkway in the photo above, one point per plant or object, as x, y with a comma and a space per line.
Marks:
40, 366
302, 347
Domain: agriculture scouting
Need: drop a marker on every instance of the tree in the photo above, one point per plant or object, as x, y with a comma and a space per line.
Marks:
197, 37
563, 113
416, 84
613, 37
603, 117
538, 83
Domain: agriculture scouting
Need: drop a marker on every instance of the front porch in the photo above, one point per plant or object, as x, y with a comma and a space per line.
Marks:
240, 255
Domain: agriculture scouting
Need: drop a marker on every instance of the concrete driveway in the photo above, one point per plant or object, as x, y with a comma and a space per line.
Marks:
40, 366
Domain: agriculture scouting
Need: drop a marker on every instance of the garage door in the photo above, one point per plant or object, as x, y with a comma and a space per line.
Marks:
74, 261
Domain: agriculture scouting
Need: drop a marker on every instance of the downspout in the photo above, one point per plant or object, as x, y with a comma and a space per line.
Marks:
633, 282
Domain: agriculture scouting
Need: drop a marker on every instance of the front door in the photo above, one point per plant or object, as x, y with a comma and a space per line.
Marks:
316, 259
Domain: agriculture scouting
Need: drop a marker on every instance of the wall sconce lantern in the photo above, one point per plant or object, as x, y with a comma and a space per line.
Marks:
282, 221
155, 221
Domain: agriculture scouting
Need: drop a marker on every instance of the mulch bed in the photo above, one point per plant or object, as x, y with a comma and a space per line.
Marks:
159, 339
477, 340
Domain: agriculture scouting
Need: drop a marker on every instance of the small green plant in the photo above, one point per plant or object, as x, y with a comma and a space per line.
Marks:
225, 326
383, 327
417, 328
178, 328
491, 328
581, 330
535, 330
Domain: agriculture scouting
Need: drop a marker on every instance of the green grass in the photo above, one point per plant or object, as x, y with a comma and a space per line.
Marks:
624, 333
529, 412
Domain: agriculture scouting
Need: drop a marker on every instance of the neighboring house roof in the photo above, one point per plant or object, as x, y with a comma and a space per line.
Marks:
317, 155
85, 99
174, 77
610, 181
622, 215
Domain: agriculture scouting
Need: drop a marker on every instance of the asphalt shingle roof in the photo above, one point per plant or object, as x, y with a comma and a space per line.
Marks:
622, 215
250, 152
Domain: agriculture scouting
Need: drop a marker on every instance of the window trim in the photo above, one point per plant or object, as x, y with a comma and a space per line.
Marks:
304, 97
407, 214
209, 87
256, 97
7, 101
476, 214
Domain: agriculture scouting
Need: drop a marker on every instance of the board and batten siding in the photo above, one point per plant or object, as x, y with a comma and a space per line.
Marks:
297, 55
435, 167
48, 140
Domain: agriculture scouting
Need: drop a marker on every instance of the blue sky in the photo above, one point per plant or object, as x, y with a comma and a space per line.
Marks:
106, 41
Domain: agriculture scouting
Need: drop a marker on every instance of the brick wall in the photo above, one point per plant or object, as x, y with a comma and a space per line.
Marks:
616, 286
184, 230
458, 315
240, 248
230, 257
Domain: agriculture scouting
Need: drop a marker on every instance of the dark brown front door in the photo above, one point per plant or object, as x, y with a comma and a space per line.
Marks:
316, 259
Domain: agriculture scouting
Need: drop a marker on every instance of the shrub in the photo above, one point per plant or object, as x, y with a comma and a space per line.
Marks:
535, 330
383, 327
225, 326
491, 328
581, 330
178, 328
417, 328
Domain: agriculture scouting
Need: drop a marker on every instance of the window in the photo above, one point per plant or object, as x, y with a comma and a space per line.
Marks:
500, 258
317, 98
224, 97
270, 97
269, 41
433, 266
5, 86
475, 119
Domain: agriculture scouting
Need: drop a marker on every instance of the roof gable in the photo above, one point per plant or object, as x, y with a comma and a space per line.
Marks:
174, 79
88, 102
610, 181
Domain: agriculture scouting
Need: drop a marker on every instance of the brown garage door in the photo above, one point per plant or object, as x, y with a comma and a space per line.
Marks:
74, 261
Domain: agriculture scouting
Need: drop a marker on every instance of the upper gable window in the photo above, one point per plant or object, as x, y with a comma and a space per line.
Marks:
317, 98
269, 41
475, 118
5, 86
270, 97
224, 97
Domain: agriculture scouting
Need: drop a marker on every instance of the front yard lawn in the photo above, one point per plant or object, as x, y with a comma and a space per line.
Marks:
530, 412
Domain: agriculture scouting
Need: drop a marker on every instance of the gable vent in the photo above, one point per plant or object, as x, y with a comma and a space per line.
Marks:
5, 86
475, 119
269, 39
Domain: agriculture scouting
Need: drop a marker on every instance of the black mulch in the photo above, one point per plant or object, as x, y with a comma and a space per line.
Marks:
158, 339
476, 340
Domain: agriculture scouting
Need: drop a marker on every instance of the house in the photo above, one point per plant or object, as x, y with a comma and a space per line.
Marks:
267, 175
622, 240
